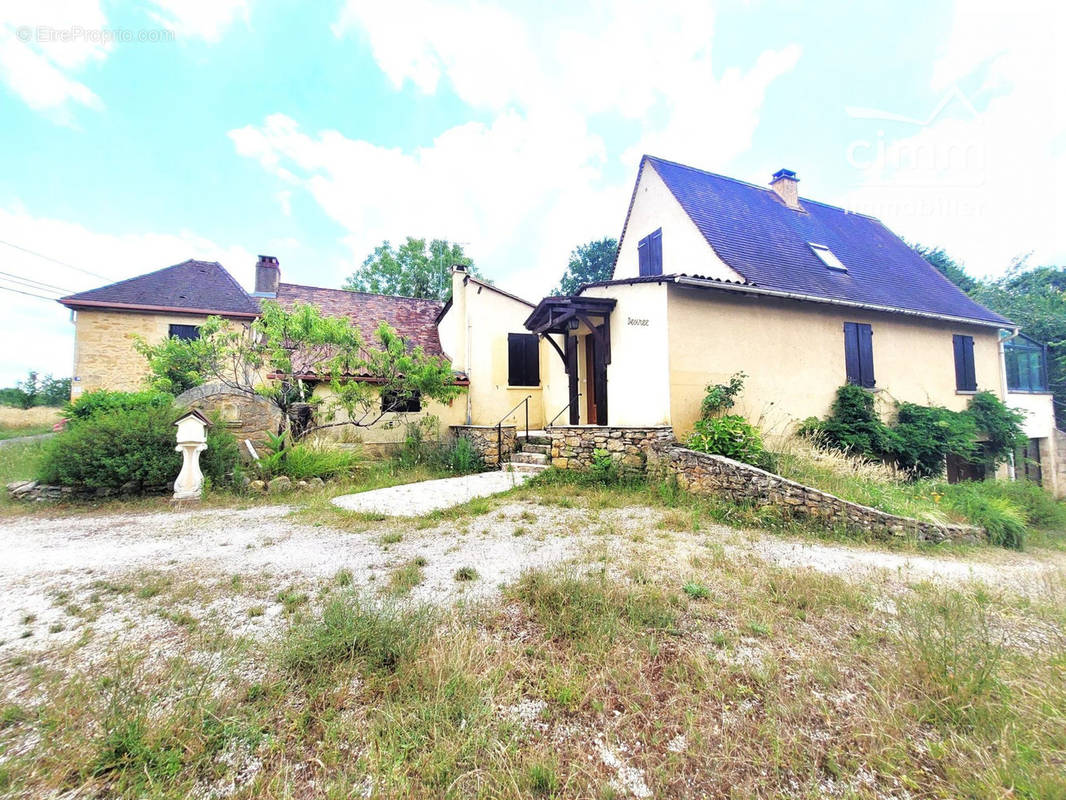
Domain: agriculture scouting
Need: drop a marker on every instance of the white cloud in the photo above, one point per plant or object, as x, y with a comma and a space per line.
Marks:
203, 19
114, 256
519, 193
43, 44
523, 190
986, 187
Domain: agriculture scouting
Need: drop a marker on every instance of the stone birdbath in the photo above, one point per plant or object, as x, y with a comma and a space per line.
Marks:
192, 440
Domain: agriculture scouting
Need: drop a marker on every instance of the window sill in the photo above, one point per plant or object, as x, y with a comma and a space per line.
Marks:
966, 391
531, 386
1031, 391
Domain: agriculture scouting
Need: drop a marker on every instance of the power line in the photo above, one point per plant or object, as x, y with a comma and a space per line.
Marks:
28, 294
54, 260
32, 283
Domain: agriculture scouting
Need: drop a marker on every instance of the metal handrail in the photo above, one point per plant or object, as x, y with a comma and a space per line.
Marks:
499, 429
559, 414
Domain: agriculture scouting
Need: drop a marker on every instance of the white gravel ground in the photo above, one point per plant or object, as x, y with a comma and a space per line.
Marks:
50, 565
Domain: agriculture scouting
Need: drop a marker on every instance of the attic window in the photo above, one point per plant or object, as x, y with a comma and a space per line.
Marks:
827, 256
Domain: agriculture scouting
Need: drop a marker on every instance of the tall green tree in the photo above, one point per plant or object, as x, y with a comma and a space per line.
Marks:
589, 262
947, 266
414, 269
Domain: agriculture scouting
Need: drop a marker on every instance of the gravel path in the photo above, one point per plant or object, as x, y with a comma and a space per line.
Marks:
49, 565
415, 499
21, 439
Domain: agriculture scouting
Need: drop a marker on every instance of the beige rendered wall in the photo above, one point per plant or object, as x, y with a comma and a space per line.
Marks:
391, 429
684, 248
489, 317
638, 377
104, 356
793, 354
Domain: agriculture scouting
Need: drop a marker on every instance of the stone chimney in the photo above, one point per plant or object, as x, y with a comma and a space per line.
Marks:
459, 318
786, 185
267, 276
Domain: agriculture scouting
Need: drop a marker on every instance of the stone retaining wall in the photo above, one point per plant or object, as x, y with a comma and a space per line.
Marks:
572, 446
705, 474
483, 438
32, 491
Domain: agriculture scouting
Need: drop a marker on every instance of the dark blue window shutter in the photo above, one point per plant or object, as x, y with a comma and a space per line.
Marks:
650, 253
655, 242
859, 354
866, 356
965, 376
523, 359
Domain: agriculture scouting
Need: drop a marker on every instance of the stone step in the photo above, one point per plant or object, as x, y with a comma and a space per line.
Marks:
529, 469
529, 458
535, 448
535, 437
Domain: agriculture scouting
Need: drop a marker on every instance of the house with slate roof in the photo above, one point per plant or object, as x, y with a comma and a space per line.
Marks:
713, 276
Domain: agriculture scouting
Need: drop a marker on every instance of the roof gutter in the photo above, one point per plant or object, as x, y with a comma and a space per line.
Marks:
749, 289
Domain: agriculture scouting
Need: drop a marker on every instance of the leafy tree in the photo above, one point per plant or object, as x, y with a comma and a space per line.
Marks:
411, 270
30, 388
54, 391
590, 262
176, 365
285, 353
947, 266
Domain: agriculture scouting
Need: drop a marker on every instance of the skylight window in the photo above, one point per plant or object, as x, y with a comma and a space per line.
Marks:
827, 256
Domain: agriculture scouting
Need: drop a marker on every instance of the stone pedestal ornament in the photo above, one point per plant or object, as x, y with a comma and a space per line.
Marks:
192, 440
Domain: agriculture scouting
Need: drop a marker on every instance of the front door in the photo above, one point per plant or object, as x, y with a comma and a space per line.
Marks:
595, 382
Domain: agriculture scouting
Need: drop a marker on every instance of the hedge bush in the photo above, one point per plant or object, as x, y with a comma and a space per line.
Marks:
127, 440
101, 401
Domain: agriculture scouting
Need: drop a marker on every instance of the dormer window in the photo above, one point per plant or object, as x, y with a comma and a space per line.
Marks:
827, 256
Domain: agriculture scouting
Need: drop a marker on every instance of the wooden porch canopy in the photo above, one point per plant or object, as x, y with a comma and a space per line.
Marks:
565, 315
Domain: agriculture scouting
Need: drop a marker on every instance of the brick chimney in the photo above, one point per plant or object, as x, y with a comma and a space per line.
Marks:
267, 276
786, 185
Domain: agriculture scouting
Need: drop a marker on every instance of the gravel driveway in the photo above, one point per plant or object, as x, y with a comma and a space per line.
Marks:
52, 567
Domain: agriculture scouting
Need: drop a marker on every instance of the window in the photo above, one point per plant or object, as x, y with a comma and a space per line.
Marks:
827, 256
1026, 362
650, 253
185, 332
859, 354
523, 359
401, 403
965, 379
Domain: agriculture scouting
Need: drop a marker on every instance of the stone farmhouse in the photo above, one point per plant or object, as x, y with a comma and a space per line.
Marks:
712, 276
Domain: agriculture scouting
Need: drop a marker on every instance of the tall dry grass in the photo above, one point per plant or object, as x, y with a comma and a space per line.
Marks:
23, 419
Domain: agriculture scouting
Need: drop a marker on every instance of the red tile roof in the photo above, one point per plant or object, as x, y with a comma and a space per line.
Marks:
414, 319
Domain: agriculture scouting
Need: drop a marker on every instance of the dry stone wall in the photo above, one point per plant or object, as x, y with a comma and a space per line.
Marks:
246, 416
717, 476
572, 446
484, 438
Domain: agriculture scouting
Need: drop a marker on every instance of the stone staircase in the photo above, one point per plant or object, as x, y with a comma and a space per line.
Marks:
531, 453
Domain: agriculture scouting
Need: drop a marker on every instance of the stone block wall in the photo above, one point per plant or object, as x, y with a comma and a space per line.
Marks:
572, 446
705, 474
246, 417
483, 438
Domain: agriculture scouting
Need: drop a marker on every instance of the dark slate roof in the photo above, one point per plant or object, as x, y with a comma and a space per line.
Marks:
756, 234
191, 286
413, 319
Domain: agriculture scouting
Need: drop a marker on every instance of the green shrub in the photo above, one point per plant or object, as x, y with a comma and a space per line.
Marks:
462, 457
423, 446
852, 426
720, 397
1039, 506
110, 450
101, 401
923, 435
1001, 426
731, 436
129, 439
380, 635
303, 461
603, 468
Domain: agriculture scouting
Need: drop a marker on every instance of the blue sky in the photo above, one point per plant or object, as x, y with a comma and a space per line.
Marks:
314, 131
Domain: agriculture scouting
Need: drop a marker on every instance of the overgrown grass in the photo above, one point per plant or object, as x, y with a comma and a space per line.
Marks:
772, 683
1006, 509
